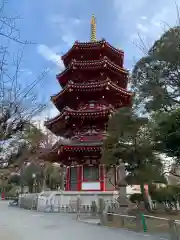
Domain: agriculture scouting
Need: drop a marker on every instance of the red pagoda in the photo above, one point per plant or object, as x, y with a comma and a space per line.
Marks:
94, 85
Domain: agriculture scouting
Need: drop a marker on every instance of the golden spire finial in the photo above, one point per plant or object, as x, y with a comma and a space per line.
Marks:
93, 29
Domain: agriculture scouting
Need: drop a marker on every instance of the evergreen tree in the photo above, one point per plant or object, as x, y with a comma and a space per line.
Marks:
129, 139
155, 78
165, 127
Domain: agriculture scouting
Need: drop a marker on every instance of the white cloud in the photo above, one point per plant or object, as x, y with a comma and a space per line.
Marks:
128, 6
48, 113
141, 23
26, 71
146, 20
68, 39
154, 26
76, 21
50, 55
143, 17
67, 27
142, 27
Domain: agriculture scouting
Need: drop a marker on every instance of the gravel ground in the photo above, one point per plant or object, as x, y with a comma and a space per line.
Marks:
19, 224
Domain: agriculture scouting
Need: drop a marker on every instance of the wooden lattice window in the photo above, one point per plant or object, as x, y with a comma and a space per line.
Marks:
91, 173
73, 178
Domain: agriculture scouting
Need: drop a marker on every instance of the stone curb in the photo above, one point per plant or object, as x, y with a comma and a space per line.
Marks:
87, 222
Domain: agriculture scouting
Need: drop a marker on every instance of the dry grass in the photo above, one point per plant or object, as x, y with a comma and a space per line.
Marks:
161, 224
154, 225
118, 222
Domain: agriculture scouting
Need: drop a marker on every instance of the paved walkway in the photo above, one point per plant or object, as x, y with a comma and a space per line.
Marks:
19, 224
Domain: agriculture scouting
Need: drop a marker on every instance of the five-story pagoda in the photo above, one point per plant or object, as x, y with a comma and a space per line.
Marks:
94, 85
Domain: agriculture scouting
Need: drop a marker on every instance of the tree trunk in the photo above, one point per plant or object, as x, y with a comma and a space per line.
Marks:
146, 203
30, 186
22, 188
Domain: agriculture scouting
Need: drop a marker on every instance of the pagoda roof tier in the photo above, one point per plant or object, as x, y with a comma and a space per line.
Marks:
59, 124
89, 137
72, 90
69, 143
73, 152
78, 152
81, 113
83, 47
80, 146
89, 87
104, 63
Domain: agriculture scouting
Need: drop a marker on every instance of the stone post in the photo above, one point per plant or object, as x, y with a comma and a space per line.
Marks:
101, 210
78, 208
121, 182
93, 208
173, 232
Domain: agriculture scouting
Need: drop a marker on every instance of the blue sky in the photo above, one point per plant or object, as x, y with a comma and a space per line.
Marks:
53, 25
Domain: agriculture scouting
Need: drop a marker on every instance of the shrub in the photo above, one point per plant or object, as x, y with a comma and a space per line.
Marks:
136, 197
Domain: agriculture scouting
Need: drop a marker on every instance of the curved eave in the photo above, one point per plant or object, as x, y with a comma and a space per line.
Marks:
61, 154
106, 63
73, 113
89, 45
76, 146
89, 87
81, 147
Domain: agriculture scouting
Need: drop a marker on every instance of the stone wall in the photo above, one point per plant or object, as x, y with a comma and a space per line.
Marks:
63, 199
28, 201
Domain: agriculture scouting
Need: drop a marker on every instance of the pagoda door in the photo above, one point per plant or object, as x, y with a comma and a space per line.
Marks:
72, 179
91, 178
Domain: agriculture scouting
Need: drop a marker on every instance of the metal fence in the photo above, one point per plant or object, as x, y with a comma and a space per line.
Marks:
106, 213
163, 227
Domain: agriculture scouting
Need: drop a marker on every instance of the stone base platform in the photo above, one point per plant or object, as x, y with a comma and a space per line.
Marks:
65, 198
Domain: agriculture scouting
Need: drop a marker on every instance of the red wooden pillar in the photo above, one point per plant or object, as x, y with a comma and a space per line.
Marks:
2, 196
80, 177
101, 175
